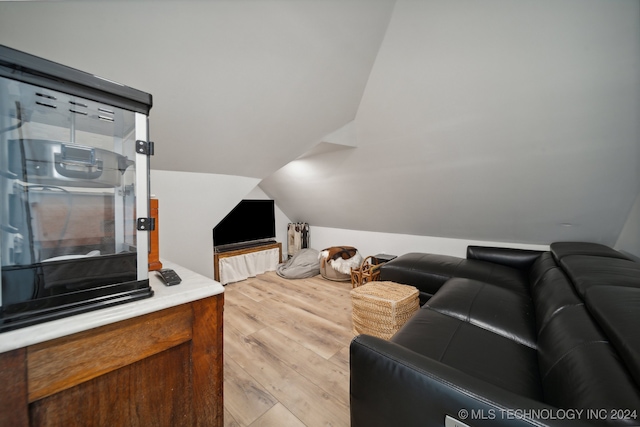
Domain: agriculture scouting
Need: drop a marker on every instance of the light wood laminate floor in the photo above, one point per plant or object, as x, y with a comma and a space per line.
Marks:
286, 352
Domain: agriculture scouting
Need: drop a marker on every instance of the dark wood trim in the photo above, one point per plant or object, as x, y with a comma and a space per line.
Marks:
154, 237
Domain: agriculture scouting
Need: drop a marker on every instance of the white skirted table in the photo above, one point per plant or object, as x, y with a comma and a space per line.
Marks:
239, 264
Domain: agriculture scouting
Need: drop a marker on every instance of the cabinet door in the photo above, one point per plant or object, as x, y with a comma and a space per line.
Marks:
155, 391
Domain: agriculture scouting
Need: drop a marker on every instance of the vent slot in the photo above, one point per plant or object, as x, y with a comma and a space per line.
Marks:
44, 104
44, 95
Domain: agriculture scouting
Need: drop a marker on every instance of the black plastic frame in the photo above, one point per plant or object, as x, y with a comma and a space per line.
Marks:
31, 69
59, 306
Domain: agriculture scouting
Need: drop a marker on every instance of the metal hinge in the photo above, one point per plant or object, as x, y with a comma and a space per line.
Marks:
146, 224
144, 147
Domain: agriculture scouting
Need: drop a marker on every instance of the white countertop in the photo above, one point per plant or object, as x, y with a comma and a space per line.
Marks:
193, 287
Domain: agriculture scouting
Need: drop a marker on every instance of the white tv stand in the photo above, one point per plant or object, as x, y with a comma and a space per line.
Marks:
246, 257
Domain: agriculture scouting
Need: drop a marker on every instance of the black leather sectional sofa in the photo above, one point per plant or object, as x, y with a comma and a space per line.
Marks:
507, 337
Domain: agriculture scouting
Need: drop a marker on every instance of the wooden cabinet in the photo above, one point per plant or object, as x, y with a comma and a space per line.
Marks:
159, 369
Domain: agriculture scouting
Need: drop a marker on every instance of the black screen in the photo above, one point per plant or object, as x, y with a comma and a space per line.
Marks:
249, 220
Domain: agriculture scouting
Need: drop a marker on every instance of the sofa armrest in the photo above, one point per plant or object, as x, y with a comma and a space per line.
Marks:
521, 259
394, 386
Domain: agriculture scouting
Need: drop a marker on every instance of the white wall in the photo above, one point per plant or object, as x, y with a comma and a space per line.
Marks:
190, 205
372, 243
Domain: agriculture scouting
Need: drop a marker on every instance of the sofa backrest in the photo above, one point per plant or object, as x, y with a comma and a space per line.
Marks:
542, 264
617, 311
580, 369
551, 289
551, 294
586, 271
561, 249
520, 259
587, 312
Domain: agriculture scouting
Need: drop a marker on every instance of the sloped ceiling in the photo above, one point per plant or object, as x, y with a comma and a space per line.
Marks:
499, 120
240, 87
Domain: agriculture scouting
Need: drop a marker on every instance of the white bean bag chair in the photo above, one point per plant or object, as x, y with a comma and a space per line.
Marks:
302, 265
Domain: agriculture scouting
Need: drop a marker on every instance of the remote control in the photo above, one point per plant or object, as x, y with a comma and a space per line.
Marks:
169, 276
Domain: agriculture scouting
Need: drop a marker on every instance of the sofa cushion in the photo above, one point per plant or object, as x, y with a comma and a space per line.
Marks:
586, 271
552, 293
472, 350
617, 311
428, 272
561, 249
490, 307
579, 368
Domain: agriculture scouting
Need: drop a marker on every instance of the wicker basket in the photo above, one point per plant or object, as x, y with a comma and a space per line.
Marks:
330, 274
367, 272
381, 308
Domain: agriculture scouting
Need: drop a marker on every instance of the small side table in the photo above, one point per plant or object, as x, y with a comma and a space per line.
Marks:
381, 308
382, 258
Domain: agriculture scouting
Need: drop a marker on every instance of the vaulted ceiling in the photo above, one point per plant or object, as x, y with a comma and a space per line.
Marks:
498, 120
240, 87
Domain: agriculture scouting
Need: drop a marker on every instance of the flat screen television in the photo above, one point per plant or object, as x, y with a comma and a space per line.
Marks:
251, 221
